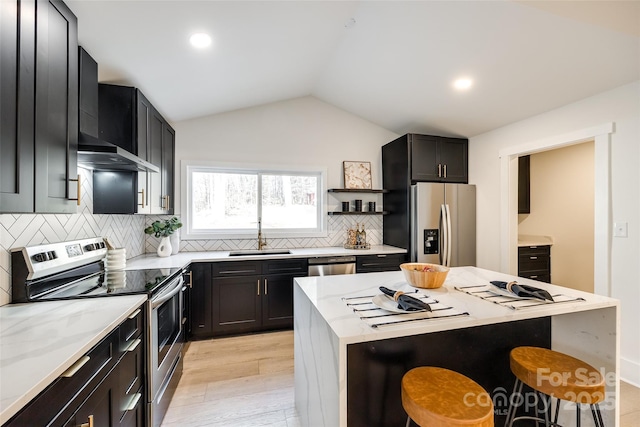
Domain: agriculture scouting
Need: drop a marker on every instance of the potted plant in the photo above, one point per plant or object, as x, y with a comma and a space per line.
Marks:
163, 229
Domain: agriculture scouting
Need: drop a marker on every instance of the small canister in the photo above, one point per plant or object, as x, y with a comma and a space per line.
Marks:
345, 206
372, 206
358, 205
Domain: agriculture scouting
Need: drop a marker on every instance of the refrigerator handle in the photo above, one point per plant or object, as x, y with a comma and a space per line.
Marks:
449, 237
443, 236
413, 256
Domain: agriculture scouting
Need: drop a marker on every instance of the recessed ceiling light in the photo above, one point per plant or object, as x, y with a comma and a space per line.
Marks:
200, 40
463, 83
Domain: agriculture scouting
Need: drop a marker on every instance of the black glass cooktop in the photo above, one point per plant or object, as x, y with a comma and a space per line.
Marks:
114, 282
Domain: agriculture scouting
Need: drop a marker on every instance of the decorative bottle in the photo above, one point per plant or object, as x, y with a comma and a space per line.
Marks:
363, 236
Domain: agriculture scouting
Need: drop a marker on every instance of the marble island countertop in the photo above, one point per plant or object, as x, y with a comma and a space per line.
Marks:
329, 295
182, 259
39, 341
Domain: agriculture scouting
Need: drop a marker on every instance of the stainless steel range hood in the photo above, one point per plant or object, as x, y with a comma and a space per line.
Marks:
96, 154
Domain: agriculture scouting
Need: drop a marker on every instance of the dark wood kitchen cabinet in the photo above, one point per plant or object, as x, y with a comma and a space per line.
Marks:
232, 297
130, 121
439, 159
534, 262
524, 184
380, 262
39, 92
105, 386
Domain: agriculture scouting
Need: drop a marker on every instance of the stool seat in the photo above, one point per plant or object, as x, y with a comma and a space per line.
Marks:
557, 374
438, 397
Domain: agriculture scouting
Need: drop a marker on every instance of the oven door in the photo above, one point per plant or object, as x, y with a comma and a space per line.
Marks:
165, 346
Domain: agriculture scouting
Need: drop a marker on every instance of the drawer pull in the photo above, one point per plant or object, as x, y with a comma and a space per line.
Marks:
533, 257
88, 424
258, 287
134, 314
381, 256
533, 277
266, 287
75, 367
134, 345
133, 402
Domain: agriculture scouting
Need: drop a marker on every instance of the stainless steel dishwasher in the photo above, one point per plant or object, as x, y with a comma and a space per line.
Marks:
332, 265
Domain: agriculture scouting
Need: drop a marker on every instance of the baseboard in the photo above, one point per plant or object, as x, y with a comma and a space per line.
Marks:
630, 371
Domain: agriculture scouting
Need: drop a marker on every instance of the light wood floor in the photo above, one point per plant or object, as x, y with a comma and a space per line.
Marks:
247, 381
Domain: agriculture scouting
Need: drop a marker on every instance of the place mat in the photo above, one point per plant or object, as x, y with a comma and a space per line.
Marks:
375, 316
513, 302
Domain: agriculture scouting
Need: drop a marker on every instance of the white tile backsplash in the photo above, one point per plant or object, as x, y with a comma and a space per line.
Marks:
17, 230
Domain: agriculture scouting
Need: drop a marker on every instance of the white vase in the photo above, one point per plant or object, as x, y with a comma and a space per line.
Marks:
175, 242
164, 249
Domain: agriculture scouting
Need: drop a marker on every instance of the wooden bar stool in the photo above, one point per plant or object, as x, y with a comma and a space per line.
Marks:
438, 397
553, 374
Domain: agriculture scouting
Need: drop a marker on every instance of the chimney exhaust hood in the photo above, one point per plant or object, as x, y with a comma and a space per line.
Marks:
96, 154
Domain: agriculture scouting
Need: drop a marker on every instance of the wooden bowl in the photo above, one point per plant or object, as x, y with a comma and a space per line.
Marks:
434, 278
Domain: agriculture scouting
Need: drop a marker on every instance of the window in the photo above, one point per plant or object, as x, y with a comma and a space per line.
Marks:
227, 203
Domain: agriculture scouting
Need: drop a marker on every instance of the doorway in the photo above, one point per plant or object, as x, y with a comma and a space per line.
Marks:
602, 199
561, 209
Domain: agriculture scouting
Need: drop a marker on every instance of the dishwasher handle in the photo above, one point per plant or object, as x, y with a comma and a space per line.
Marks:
332, 260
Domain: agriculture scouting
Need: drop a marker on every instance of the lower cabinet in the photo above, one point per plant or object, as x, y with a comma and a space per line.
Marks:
534, 262
105, 387
243, 296
380, 262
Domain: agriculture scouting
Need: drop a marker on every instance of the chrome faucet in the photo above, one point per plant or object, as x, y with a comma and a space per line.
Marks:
262, 242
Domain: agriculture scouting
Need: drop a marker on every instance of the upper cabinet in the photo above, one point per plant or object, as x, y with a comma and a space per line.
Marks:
438, 159
39, 110
130, 121
524, 192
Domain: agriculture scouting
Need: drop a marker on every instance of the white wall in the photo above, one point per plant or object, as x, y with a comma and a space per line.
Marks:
620, 106
562, 192
300, 132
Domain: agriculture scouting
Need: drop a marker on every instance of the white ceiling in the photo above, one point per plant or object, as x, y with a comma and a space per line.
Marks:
394, 66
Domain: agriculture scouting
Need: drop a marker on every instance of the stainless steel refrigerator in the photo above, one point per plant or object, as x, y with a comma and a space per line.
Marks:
443, 224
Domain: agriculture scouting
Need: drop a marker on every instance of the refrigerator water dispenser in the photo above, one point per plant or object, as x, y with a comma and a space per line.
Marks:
431, 241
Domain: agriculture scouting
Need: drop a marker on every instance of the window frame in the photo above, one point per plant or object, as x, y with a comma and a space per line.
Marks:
189, 167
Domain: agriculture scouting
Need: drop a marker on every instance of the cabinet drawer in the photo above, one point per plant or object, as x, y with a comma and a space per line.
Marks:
541, 277
236, 268
131, 329
55, 402
381, 262
130, 378
533, 263
285, 266
534, 250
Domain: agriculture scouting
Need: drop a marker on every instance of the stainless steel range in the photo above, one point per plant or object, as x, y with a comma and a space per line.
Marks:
75, 269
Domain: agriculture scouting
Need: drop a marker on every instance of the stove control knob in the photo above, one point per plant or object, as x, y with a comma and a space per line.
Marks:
44, 256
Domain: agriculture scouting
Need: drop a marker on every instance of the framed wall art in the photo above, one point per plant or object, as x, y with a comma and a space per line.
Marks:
357, 175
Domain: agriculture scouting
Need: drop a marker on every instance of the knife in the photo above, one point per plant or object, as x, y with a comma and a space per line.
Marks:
405, 302
523, 290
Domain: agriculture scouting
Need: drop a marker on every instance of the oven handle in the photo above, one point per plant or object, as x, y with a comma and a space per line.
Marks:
166, 296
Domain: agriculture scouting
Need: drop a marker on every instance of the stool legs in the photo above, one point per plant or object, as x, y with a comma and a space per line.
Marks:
515, 402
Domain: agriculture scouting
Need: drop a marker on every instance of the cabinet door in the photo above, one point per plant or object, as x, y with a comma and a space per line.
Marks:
381, 262
277, 301
168, 154
452, 155
56, 123
237, 304
17, 76
156, 202
97, 410
524, 177
424, 158
201, 316
144, 149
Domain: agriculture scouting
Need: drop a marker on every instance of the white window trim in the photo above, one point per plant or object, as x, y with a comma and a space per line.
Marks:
188, 166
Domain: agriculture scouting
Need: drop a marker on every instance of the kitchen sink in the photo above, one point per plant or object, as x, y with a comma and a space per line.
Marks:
260, 252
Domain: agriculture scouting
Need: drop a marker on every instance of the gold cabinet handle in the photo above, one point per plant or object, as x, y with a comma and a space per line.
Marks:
134, 345
266, 286
134, 314
439, 170
143, 198
258, 287
78, 189
75, 367
89, 424
168, 202
445, 171
133, 402
190, 274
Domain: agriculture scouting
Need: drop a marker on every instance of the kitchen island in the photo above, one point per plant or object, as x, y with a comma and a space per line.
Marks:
348, 367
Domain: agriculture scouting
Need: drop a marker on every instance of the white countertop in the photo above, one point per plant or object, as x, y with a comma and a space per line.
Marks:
531, 240
40, 340
327, 293
182, 259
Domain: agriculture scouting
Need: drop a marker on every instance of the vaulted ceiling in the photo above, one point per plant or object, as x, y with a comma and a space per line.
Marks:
390, 62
